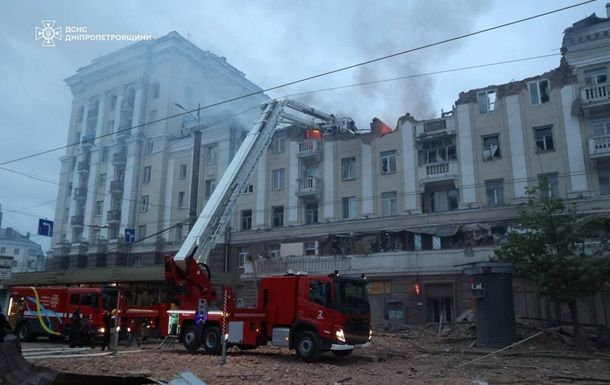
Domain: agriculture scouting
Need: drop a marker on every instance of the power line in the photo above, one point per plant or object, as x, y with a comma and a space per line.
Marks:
325, 74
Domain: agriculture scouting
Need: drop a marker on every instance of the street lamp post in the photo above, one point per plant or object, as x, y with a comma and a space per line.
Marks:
195, 169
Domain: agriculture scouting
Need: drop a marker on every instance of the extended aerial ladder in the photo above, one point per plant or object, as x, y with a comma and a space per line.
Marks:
213, 219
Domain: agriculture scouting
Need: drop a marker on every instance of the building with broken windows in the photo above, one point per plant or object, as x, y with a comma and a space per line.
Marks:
409, 206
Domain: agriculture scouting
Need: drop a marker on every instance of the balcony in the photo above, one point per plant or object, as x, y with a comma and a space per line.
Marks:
599, 146
77, 221
126, 105
80, 193
83, 167
309, 188
119, 159
113, 216
310, 149
116, 187
87, 140
595, 98
123, 132
312, 265
435, 128
92, 115
434, 172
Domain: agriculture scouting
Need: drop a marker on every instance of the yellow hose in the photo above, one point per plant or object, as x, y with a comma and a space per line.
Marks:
44, 326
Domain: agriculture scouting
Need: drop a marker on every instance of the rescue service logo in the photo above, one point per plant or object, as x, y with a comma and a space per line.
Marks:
49, 34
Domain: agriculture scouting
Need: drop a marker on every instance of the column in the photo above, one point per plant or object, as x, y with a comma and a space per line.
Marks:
329, 182
468, 195
409, 164
517, 149
291, 179
368, 194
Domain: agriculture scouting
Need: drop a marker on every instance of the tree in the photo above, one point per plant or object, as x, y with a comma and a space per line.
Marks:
564, 252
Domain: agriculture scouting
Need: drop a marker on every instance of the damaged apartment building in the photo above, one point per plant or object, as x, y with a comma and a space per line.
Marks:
408, 206
412, 206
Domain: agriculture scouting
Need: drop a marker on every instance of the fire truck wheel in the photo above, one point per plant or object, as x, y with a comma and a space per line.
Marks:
212, 342
307, 346
24, 334
191, 342
342, 353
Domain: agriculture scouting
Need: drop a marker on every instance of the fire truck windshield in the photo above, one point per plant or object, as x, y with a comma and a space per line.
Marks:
351, 295
109, 298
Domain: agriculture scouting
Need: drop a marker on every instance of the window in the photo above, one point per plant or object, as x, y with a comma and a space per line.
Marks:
152, 116
110, 127
16, 251
349, 207
246, 219
182, 171
105, 154
279, 142
249, 189
181, 199
243, 254
494, 189
156, 89
437, 151
113, 103
212, 157
278, 179
548, 185
74, 299
144, 203
275, 251
179, 232
491, 147
388, 201
601, 127
81, 113
2, 249
544, 139
101, 182
147, 172
539, 92
348, 168
442, 201
99, 208
604, 181
151, 147
141, 232
136, 260
277, 216
210, 184
487, 101
66, 214
311, 213
596, 77
309, 248
388, 162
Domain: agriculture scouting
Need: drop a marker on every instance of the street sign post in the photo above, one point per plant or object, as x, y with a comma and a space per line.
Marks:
45, 227
6, 265
130, 235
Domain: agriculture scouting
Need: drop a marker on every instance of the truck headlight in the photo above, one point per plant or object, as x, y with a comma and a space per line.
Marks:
370, 334
340, 335
101, 330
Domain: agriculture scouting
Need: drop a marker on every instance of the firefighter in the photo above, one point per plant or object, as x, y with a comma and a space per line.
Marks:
75, 328
108, 323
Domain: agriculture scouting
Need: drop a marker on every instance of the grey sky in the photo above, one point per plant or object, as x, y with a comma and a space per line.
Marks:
272, 42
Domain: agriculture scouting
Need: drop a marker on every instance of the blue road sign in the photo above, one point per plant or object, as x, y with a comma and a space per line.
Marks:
45, 227
130, 235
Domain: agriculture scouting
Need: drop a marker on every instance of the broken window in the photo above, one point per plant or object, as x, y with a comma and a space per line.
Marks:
246, 219
212, 151
539, 92
275, 251
491, 147
437, 151
279, 142
311, 213
604, 181
349, 207
309, 248
210, 184
596, 77
487, 101
278, 216
544, 139
388, 162
494, 189
601, 127
348, 168
278, 179
243, 256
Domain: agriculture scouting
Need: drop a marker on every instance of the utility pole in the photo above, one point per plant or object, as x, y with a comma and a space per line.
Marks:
193, 213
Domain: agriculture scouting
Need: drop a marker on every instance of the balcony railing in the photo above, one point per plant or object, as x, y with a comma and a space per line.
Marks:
119, 159
113, 216
123, 132
310, 148
599, 146
88, 140
77, 221
116, 187
311, 265
438, 125
309, 187
92, 114
438, 171
80, 193
126, 104
594, 94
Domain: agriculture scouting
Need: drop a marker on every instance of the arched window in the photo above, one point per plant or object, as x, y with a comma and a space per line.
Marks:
113, 100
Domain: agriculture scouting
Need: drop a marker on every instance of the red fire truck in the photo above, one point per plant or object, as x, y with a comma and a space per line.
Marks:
310, 314
47, 311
